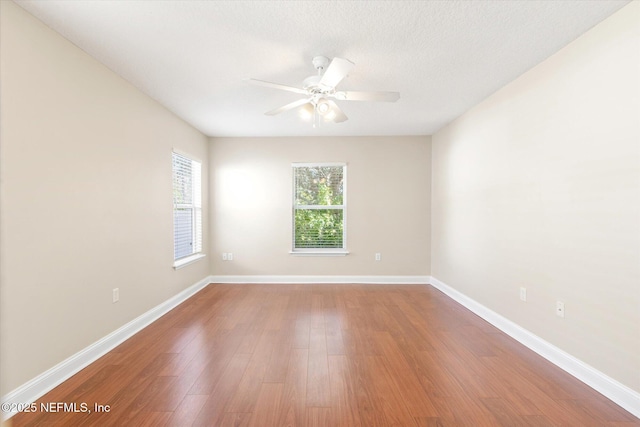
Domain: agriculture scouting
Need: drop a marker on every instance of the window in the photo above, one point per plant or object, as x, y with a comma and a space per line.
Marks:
319, 207
187, 210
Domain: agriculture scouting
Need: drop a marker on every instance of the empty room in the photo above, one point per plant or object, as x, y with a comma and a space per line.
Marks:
320, 213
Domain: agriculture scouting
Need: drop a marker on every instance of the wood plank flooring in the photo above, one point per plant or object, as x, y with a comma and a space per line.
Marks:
325, 355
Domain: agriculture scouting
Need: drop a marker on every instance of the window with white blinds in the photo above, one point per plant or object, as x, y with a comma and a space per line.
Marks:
187, 206
319, 206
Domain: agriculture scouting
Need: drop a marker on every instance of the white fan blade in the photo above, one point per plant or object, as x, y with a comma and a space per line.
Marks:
276, 86
287, 107
367, 96
338, 115
337, 70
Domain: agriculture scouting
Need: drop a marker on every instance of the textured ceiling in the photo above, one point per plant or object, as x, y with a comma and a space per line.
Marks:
442, 56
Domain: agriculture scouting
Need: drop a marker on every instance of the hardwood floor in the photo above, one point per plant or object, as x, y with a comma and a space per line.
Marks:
325, 355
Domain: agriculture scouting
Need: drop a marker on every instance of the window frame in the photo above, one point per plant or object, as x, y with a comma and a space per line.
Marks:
196, 212
319, 251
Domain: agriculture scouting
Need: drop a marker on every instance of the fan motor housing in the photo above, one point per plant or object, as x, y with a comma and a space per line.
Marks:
313, 86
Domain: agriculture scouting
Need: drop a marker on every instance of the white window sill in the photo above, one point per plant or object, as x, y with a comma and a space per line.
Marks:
319, 253
183, 262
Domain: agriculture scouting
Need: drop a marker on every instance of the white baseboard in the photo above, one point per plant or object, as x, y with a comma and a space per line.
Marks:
385, 280
612, 389
43, 383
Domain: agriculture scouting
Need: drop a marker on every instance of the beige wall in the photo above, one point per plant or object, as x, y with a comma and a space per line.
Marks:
388, 204
86, 193
539, 186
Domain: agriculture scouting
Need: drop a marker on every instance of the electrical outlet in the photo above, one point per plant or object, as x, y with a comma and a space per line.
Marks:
116, 294
523, 294
378, 257
559, 308
230, 256
224, 256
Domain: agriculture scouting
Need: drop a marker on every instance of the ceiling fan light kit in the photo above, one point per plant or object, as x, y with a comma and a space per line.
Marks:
323, 106
320, 89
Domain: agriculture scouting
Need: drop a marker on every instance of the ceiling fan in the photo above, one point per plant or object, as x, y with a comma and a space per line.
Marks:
320, 90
